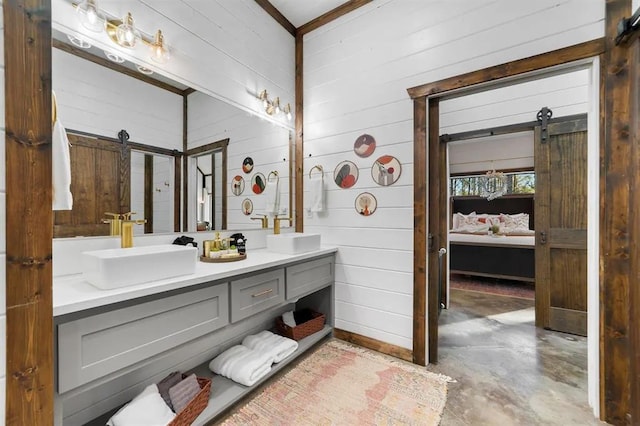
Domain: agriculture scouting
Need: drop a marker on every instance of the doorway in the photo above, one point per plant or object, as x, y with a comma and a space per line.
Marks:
436, 237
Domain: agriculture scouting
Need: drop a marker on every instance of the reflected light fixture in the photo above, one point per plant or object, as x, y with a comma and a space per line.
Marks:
90, 15
126, 33
144, 70
159, 52
272, 107
79, 42
113, 57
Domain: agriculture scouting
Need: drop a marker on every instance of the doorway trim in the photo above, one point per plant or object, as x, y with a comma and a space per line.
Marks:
426, 103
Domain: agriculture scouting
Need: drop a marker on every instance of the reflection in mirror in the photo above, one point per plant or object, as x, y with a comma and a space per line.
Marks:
210, 184
97, 99
152, 191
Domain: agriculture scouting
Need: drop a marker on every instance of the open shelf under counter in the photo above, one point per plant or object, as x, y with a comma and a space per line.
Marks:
226, 392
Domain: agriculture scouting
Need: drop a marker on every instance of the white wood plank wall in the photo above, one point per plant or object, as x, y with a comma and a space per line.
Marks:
231, 49
356, 72
210, 120
95, 99
635, 5
3, 240
162, 194
565, 94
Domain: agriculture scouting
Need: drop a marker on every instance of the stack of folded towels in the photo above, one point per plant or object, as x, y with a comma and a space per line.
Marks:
249, 362
158, 404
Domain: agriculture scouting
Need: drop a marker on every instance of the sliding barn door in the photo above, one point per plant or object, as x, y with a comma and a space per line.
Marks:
561, 226
99, 184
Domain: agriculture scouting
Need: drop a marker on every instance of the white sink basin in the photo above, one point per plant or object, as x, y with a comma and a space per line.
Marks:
113, 268
293, 243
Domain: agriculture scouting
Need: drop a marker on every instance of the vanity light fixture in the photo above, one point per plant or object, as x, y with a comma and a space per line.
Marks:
90, 16
122, 31
272, 107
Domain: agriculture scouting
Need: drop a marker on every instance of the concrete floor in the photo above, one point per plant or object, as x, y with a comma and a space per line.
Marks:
507, 371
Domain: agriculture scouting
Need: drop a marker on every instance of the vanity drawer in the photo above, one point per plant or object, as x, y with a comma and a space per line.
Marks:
257, 293
93, 347
306, 277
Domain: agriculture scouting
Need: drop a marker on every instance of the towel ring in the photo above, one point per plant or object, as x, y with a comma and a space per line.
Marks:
275, 173
317, 166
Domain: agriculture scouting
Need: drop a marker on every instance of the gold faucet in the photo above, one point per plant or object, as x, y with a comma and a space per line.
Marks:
276, 223
126, 236
264, 220
115, 223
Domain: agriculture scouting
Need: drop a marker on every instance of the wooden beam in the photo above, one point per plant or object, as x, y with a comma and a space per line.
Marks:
29, 217
545, 60
299, 140
115, 67
213, 146
279, 17
617, 167
420, 229
331, 15
177, 185
185, 163
634, 290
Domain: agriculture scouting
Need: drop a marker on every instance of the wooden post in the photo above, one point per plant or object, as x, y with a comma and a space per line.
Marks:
299, 159
617, 168
29, 230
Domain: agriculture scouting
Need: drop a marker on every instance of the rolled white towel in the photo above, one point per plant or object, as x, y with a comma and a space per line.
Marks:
272, 344
148, 408
242, 365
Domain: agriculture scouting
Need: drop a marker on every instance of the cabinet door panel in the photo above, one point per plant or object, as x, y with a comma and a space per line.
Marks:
257, 293
93, 347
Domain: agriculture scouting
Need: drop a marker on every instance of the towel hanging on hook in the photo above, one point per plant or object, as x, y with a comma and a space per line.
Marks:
60, 162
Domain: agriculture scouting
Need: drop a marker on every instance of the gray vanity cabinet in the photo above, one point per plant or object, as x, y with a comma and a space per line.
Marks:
307, 277
256, 293
95, 346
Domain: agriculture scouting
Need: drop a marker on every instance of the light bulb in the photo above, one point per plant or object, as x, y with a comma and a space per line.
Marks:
159, 52
126, 33
276, 105
90, 15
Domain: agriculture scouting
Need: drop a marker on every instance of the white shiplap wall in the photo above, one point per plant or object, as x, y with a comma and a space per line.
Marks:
95, 99
356, 72
231, 49
210, 120
3, 242
566, 94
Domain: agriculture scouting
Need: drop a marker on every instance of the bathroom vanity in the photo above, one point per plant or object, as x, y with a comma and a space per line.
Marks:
110, 344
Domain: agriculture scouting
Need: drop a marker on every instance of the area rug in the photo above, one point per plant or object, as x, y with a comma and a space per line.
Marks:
495, 286
343, 384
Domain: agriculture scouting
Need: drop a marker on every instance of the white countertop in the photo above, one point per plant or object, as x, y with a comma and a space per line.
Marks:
73, 294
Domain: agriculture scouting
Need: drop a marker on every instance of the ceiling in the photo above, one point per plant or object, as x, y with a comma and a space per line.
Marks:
299, 12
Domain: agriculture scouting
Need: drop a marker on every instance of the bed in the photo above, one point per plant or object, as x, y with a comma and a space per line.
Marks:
510, 254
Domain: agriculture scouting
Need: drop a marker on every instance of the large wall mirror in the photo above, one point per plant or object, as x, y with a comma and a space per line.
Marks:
172, 175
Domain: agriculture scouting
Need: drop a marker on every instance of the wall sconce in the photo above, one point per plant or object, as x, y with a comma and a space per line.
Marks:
272, 107
122, 32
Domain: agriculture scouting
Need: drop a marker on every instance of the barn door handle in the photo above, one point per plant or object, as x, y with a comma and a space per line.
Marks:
543, 237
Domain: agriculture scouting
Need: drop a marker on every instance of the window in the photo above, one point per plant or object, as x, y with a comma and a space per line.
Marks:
517, 183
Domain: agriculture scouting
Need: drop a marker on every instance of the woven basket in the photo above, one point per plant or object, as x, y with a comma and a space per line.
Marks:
196, 406
303, 330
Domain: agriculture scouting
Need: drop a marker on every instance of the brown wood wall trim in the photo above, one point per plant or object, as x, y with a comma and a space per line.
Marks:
434, 204
617, 166
222, 143
185, 162
299, 138
279, 17
545, 60
420, 230
634, 291
29, 217
376, 345
148, 193
331, 15
80, 53
177, 184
